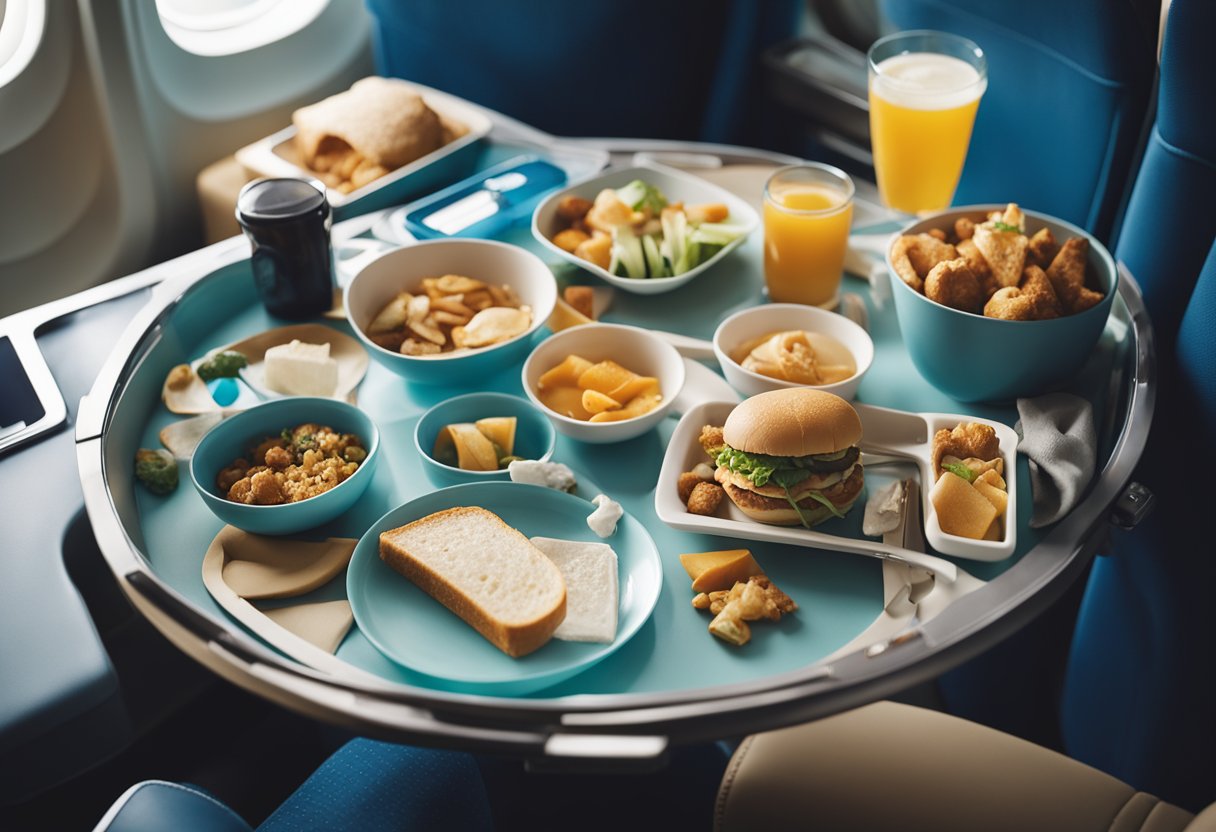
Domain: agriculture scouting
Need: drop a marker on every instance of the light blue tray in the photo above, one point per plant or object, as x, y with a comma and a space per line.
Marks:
839, 594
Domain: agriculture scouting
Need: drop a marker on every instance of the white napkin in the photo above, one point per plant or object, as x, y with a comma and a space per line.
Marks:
1057, 435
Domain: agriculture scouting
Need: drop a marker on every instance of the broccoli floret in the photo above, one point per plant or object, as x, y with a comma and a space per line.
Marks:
157, 470
226, 364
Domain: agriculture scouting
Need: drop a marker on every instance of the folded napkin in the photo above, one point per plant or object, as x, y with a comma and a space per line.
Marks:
1056, 433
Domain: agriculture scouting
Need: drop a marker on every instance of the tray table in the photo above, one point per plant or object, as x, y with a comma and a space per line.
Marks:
672, 683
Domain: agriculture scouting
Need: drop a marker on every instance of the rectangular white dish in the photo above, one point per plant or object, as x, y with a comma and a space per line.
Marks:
275, 155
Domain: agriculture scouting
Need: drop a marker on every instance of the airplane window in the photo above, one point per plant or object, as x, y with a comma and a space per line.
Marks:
226, 27
21, 25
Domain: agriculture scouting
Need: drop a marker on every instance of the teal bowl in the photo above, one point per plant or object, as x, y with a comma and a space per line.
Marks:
490, 261
534, 435
233, 437
972, 358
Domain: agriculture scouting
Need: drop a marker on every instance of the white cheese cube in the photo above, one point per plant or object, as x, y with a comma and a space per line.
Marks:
299, 369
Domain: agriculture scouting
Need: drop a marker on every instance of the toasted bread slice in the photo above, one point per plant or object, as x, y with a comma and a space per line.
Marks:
483, 570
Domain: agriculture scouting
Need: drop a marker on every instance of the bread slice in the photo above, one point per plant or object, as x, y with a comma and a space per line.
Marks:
590, 572
483, 570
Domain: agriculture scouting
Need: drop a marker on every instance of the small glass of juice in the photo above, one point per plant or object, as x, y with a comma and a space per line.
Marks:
807, 213
925, 88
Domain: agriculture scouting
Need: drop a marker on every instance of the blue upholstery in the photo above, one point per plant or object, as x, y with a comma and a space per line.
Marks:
156, 806
1068, 84
652, 68
1142, 678
372, 786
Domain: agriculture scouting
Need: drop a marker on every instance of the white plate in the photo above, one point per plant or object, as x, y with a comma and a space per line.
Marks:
275, 154
677, 186
885, 432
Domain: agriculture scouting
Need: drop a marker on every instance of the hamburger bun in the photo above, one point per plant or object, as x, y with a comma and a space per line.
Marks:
795, 422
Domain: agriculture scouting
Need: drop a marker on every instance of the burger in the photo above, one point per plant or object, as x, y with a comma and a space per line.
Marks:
789, 456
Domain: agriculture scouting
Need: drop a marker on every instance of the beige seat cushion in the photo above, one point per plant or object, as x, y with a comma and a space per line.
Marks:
891, 766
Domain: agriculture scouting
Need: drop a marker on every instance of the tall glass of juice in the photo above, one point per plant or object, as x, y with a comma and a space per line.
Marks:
807, 213
925, 88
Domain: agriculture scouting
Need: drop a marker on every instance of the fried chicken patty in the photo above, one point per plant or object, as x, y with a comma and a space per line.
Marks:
841, 494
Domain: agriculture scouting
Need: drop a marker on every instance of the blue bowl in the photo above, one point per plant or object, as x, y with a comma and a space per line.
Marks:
972, 358
233, 437
534, 435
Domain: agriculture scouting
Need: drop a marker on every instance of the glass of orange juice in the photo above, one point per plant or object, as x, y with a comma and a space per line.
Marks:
924, 90
808, 209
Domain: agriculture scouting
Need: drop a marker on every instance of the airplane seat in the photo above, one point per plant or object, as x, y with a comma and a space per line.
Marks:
895, 766
1068, 89
565, 71
365, 785
1057, 132
1142, 677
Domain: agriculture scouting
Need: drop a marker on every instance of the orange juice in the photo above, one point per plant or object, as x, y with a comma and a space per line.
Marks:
806, 234
922, 108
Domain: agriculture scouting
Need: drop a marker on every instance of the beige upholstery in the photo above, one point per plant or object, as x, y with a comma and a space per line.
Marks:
218, 185
891, 766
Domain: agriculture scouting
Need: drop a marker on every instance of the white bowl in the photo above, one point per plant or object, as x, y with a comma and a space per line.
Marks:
635, 349
402, 269
780, 317
677, 186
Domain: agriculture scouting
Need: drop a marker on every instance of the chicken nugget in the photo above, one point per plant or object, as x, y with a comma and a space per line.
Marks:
952, 283
967, 439
570, 239
1004, 251
1085, 298
938, 234
573, 208
964, 228
1042, 248
581, 298
979, 266
1009, 304
711, 439
686, 482
1069, 263
1038, 290
705, 498
925, 252
903, 265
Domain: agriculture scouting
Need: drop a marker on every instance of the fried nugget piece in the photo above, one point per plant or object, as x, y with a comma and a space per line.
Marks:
581, 298
685, 484
1042, 248
711, 439
705, 498
1038, 290
952, 283
903, 264
964, 228
925, 252
938, 234
1004, 251
968, 439
979, 266
1067, 276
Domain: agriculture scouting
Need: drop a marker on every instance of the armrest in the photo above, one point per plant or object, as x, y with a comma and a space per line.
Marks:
155, 805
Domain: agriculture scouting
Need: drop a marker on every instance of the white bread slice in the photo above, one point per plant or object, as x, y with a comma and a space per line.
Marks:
591, 588
483, 570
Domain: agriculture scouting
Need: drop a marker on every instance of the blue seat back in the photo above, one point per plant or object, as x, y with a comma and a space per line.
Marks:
640, 68
1068, 86
1142, 675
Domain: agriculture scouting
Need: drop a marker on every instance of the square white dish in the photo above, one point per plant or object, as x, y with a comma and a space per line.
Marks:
886, 432
677, 186
275, 155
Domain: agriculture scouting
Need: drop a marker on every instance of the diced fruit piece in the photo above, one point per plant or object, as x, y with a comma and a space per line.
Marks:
713, 571
604, 377
581, 298
500, 430
636, 386
570, 239
568, 401
597, 250
961, 509
707, 212
596, 402
474, 452
994, 531
565, 316
565, 374
994, 495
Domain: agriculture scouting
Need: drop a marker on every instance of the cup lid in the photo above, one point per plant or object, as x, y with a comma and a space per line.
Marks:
276, 200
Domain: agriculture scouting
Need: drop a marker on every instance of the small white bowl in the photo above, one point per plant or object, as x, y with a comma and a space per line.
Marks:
402, 269
635, 349
780, 317
677, 186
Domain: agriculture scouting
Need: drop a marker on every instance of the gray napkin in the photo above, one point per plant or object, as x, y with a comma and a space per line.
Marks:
1057, 435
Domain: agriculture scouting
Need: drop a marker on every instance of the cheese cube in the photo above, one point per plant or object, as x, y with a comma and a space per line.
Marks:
299, 369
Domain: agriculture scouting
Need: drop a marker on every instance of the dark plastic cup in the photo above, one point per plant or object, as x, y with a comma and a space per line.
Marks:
288, 221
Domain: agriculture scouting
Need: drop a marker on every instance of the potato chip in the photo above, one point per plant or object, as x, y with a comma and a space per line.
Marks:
452, 284
596, 402
427, 330
452, 304
441, 317
392, 316
410, 346
500, 430
564, 374
478, 300
495, 325
474, 452
605, 377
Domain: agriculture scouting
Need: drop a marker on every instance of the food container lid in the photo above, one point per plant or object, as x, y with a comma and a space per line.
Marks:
278, 200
